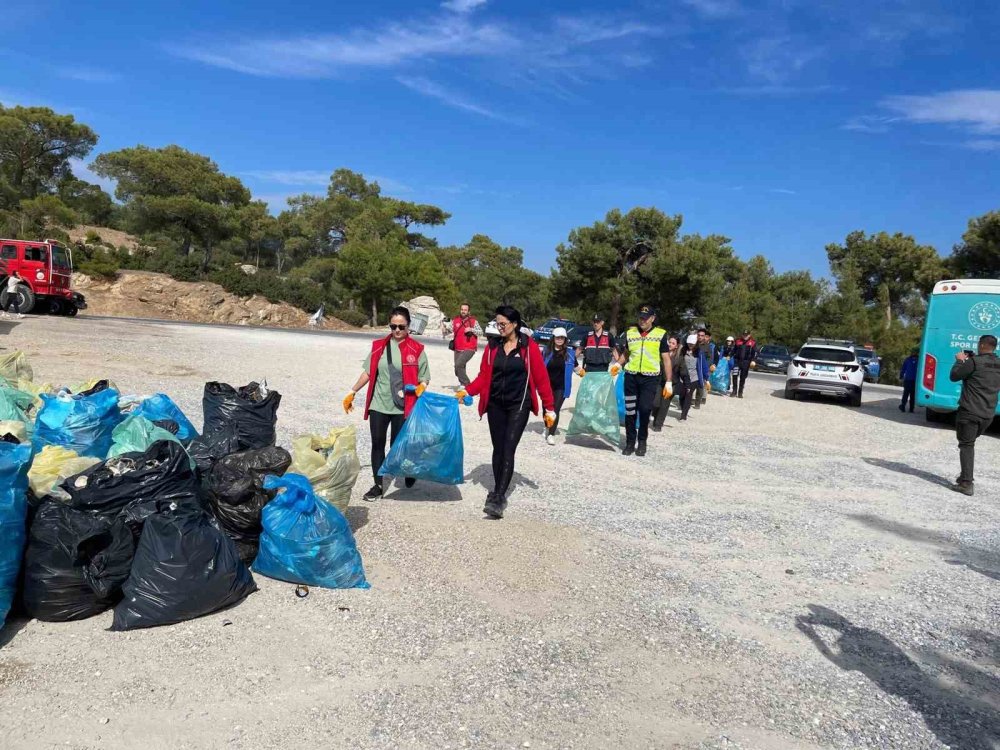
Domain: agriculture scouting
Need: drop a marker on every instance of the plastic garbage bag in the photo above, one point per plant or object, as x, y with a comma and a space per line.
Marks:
430, 444
596, 411
720, 379
136, 434
158, 407
61, 544
330, 464
184, 567
90, 387
81, 423
15, 460
16, 405
15, 429
236, 494
306, 539
162, 473
205, 450
252, 409
14, 367
52, 466
619, 396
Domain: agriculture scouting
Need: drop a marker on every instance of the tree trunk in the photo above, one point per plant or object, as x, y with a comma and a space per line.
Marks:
206, 258
186, 247
374, 313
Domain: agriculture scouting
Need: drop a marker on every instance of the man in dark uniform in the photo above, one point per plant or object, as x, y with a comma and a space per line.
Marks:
980, 377
598, 348
744, 357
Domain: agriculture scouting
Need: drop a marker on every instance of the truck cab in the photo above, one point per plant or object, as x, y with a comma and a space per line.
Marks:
45, 269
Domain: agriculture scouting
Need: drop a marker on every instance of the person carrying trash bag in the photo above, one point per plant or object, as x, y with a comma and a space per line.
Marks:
645, 355
512, 380
430, 445
560, 361
397, 373
721, 377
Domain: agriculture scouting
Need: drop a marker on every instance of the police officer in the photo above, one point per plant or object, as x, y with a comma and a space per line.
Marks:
644, 352
980, 377
598, 348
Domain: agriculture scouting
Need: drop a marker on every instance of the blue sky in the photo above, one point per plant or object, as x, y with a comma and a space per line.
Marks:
782, 124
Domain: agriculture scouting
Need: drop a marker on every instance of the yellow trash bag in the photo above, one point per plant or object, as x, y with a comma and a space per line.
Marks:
53, 465
14, 367
329, 463
35, 390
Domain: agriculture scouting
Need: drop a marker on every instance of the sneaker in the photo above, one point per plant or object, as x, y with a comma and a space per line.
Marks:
901, 408
740, 396
374, 493
20, 315
640, 450
966, 488
656, 427
550, 439
628, 450
409, 482
493, 508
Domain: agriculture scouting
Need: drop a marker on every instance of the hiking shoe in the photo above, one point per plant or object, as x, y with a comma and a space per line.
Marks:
656, 427
902, 408
409, 482
374, 493
550, 439
641, 448
966, 488
493, 508
628, 450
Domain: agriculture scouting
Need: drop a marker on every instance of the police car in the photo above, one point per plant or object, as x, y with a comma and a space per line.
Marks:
828, 367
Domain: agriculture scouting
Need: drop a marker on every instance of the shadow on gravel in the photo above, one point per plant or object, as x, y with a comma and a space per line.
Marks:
586, 441
425, 492
357, 517
983, 561
951, 710
13, 626
912, 471
483, 476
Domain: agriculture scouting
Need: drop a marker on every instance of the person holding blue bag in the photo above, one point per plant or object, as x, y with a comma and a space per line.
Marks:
560, 363
396, 373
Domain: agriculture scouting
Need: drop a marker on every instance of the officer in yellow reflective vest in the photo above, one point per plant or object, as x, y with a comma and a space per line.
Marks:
644, 351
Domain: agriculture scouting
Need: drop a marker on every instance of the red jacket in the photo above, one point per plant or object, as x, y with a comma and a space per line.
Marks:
410, 351
538, 377
459, 327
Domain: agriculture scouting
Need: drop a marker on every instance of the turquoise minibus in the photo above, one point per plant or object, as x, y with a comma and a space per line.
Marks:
958, 313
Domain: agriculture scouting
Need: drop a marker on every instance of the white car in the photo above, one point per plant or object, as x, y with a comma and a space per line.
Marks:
827, 367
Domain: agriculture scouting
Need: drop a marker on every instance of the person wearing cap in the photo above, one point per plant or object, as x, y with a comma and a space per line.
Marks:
744, 358
645, 354
559, 363
908, 375
598, 348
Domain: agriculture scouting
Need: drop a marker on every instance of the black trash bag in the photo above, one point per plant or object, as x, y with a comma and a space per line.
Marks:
207, 449
162, 473
184, 567
169, 425
253, 413
109, 558
61, 544
9, 438
236, 495
100, 385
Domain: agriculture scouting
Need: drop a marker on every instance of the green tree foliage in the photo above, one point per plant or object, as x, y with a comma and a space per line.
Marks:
176, 191
91, 203
978, 256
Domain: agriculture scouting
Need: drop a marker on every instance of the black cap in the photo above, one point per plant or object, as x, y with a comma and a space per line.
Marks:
646, 310
598, 316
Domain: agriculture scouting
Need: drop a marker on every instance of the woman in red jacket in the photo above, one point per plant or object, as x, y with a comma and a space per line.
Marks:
512, 380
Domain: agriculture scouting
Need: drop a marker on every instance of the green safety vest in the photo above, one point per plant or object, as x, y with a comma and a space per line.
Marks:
644, 351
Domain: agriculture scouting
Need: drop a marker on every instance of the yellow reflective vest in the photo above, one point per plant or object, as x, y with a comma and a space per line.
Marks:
644, 351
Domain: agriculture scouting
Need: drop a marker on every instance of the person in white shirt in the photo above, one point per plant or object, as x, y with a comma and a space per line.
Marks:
13, 298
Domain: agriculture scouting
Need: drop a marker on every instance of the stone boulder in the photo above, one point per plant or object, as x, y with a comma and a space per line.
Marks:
429, 307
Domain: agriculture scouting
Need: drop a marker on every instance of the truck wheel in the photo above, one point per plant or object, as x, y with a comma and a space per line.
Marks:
55, 307
72, 310
27, 298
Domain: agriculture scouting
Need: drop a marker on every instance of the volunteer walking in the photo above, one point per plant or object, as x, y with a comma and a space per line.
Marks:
465, 342
396, 372
646, 354
980, 378
597, 349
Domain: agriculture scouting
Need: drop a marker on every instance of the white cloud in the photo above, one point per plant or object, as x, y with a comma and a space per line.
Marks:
870, 123
714, 8
290, 176
81, 170
983, 144
975, 109
782, 191
463, 6
434, 90
776, 59
88, 75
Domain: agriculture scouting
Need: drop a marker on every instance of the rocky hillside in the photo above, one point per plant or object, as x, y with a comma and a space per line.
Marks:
142, 294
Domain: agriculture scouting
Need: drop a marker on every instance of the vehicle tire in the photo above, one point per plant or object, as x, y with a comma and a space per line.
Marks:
789, 393
934, 417
27, 299
855, 400
56, 307
72, 310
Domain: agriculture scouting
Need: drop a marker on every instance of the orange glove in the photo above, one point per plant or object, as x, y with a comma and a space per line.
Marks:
349, 402
614, 370
712, 368
417, 390
580, 371
460, 394
550, 419
668, 391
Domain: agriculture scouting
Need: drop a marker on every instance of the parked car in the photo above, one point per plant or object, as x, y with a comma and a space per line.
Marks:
827, 367
543, 334
870, 361
773, 358
578, 336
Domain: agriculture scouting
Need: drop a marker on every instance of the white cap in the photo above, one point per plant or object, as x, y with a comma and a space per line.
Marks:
730, 338
560, 333
692, 339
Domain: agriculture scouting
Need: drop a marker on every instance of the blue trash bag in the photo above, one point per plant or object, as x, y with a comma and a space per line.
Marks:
159, 407
720, 379
596, 411
82, 423
620, 396
430, 444
15, 460
306, 539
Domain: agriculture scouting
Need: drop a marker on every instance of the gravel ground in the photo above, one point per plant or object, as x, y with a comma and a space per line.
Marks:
772, 574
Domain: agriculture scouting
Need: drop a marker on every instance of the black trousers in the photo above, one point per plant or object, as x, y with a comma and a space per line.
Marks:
640, 393
740, 379
968, 428
557, 399
909, 389
14, 301
506, 428
687, 398
661, 406
379, 425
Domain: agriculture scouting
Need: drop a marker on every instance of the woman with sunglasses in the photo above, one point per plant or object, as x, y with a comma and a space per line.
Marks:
512, 380
396, 373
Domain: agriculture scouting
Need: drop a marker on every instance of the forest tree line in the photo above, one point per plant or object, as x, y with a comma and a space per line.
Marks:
358, 251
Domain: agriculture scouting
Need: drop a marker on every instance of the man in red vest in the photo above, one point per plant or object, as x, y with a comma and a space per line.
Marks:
466, 330
744, 358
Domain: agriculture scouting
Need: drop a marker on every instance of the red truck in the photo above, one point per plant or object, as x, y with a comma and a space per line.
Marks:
45, 269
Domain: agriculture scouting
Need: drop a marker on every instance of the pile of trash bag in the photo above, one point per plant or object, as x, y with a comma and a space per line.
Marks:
82, 423
53, 465
136, 434
251, 409
596, 411
305, 539
430, 444
329, 463
159, 407
15, 461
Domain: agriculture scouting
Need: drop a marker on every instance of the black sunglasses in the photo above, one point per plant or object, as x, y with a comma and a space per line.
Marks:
395, 327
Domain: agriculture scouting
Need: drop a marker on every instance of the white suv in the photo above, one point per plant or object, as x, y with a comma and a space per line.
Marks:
828, 367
